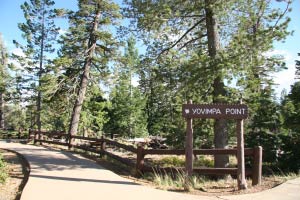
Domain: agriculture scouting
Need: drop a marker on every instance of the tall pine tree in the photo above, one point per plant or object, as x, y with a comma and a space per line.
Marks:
3, 79
298, 68
198, 36
127, 113
88, 46
39, 32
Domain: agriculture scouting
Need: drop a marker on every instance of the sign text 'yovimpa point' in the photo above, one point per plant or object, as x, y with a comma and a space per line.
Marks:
215, 111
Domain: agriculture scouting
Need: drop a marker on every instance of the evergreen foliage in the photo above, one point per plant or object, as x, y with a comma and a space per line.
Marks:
39, 33
127, 112
195, 49
4, 79
290, 142
298, 68
291, 108
87, 48
94, 114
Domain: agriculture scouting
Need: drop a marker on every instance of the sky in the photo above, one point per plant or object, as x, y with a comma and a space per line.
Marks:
11, 14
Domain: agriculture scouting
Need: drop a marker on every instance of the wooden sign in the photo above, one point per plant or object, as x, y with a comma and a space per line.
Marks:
215, 111
239, 112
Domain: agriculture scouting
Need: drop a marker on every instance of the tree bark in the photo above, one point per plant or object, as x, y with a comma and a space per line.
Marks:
73, 127
39, 96
220, 125
1, 111
3, 63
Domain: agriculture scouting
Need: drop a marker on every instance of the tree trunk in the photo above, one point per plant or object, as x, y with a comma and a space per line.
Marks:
38, 117
1, 111
220, 126
39, 104
3, 63
39, 97
84, 81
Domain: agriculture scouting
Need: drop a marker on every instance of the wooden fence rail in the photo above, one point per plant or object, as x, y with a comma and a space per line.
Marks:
99, 146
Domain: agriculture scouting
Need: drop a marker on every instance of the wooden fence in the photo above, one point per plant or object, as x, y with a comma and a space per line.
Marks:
99, 146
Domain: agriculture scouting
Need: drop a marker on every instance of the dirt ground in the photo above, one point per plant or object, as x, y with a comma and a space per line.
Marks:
229, 187
18, 171
218, 188
18, 174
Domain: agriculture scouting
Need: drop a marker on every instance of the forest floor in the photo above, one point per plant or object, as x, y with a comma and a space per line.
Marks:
18, 172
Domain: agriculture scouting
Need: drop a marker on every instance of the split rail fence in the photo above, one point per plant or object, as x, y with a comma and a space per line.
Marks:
100, 146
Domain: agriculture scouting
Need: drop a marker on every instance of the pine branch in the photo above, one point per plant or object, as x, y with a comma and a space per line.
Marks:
104, 48
192, 16
192, 40
284, 12
183, 36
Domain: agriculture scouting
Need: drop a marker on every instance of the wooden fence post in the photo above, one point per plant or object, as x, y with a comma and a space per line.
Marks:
189, 146
241, 175
70, 142
103, 146
29, 135
139, 160
35, 137
257, 166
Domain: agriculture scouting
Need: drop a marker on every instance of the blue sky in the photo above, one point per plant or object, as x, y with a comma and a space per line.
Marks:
11, 15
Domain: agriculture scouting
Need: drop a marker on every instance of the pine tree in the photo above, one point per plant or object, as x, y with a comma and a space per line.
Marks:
87, 48
194, 27
298, 68
94, 114
130, 64
261, 25
3, 79
289, 159
199, 36
39, 32
127, 115
291, 108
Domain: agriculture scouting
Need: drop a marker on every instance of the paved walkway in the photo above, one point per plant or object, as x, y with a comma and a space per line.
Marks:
65, 176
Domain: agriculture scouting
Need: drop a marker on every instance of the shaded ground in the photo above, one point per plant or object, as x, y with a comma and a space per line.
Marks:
18, 175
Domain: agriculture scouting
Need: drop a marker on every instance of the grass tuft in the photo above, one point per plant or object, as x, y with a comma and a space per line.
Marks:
177, 181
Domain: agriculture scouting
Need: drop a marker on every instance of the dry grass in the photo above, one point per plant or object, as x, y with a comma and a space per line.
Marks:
200, 185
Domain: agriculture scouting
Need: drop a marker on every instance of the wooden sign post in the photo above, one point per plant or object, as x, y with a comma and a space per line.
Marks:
238, 112
242, 184
189, 146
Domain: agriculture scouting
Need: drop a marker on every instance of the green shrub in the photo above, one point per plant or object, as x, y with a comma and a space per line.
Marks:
204, 161
3, 170
270, 143
289, 154
176, 161
170, 161
280, 151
